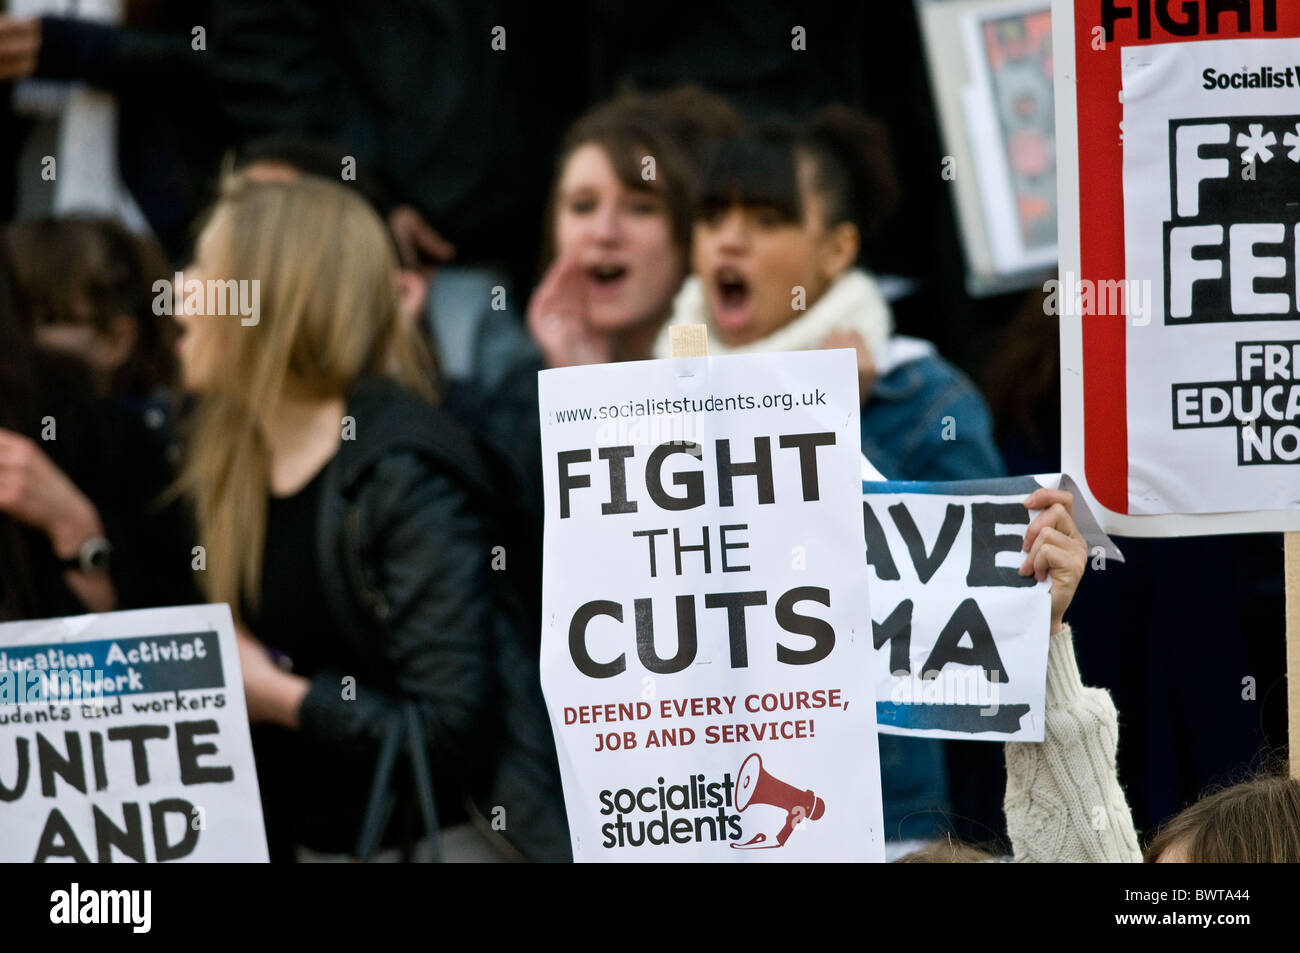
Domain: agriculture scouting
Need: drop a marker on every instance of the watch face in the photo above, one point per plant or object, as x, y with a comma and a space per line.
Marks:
95, 553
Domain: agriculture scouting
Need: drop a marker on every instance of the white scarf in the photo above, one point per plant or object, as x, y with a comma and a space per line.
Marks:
853, 302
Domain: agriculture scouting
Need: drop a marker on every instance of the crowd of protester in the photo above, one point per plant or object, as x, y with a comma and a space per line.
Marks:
429, 218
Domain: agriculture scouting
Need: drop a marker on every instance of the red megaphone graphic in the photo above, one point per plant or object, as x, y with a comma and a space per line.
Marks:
756, 786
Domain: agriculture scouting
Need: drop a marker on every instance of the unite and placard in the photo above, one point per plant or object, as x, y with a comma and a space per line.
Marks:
124, 736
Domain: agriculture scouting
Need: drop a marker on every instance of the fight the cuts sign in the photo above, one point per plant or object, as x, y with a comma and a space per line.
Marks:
1179, 146
706, 643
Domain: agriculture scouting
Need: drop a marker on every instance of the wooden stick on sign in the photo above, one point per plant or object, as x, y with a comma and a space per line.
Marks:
692, 340
1293, 649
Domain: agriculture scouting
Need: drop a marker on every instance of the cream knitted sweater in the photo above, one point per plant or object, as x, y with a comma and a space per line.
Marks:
1063, 801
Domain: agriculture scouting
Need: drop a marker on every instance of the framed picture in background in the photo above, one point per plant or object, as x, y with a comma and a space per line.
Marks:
991, 72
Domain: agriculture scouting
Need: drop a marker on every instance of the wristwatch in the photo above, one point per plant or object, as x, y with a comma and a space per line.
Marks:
94, 556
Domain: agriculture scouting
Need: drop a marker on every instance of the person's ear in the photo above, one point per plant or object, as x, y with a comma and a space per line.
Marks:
839, 251
117, 342
412, 296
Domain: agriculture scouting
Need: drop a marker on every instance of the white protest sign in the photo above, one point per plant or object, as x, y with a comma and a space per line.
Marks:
124, 736
1178, 148
706, 656
960, 635
1211, 178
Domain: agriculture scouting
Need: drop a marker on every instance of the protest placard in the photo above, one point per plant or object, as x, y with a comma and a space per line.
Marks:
706, 652
960, 636
124, 736
1179, 294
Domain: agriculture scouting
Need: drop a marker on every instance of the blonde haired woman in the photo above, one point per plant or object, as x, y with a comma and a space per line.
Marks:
345, 522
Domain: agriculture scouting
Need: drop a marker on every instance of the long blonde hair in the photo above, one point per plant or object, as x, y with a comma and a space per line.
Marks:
326, 274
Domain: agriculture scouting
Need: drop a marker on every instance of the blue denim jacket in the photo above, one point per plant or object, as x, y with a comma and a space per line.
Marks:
924, 421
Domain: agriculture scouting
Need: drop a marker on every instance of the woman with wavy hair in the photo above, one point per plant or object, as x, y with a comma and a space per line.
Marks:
788, 220
345, 520
617, 233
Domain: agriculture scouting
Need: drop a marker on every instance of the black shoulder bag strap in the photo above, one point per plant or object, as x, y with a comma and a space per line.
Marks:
403, 728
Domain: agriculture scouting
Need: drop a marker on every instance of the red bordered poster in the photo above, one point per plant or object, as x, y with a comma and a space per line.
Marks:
1178, 141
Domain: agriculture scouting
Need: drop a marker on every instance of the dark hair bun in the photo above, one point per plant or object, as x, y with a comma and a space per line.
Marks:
860, 146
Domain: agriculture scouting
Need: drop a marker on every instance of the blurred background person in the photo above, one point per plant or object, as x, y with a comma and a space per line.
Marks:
46, 519
345, 523
785, 222
784, 230
93, 290
617, 232
80, 484
119, 95
497, 411
455, 113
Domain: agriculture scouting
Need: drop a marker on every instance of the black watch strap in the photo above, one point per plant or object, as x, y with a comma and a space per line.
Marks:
95, 555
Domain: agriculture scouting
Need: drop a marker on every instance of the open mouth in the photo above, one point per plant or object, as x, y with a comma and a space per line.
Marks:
607, 274
732, 297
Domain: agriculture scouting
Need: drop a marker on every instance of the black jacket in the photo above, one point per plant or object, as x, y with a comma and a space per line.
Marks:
410, 513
